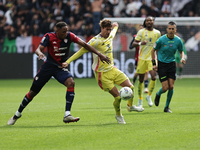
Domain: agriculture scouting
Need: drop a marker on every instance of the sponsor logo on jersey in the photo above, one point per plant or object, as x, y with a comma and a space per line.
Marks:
54, 42
43, 39
65, 40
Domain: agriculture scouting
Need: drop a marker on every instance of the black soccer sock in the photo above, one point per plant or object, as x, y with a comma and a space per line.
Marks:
146, 82
69, 98
134, 79
27, 99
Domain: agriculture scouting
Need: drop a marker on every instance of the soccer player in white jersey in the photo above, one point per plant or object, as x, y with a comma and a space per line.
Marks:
146, 38
107, 75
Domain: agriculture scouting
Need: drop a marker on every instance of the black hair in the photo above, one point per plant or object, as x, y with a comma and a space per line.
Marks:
172, 23
61, 24
144, 25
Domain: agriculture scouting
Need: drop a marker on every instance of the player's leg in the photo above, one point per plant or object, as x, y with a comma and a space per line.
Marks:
141, 69
130, 106
146, 82
135, 77
169, 95
64, 77
152, 82
162, 90
39, 81
105, 81
171, 80
136, 74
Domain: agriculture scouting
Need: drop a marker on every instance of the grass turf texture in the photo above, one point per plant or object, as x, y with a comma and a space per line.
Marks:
41, 126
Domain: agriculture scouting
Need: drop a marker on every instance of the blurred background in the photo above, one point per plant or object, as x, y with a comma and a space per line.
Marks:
24, 22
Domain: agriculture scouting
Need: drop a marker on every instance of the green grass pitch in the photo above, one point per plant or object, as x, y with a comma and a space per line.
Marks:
41, 126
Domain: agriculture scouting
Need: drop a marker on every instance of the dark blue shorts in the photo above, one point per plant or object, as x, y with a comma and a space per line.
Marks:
48, 70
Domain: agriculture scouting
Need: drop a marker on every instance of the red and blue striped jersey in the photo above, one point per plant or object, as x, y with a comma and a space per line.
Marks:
58, 50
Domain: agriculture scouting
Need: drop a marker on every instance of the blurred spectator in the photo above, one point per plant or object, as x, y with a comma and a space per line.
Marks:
145, 7
77, 13
12, 34
88, 32
58, 15
67, 11
35, 30
88, 14
154, 11
22, 10
10, 15
23, 32
97, 14
166, 8
118, 7
47, 26
131, 9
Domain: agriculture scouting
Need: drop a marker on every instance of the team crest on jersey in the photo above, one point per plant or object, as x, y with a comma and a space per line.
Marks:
54, 42
65, 40
165, 45
170, 45
43, 39
55, 48
150, 39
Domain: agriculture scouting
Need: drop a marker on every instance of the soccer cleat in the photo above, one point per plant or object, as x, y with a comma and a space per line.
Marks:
140, 103
157, 100
120, 119
12, 120
167, 109
70, 118
146, 90
135, 108
150, 103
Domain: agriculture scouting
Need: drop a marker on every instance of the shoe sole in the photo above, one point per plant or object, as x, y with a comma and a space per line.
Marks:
75, 120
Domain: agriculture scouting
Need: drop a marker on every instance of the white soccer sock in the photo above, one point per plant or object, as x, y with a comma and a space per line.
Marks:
67, 113
18, 114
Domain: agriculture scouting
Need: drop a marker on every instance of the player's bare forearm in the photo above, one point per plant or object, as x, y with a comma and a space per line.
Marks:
183, 61
138, 43
39, 53
153, 55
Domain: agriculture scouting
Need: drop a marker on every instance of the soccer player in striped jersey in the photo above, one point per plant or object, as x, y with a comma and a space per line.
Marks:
107, 75
146, 38
58, 44
166, 47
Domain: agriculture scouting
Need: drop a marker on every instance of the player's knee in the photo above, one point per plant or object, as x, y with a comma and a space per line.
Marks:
70, 82
171, 87
35, 89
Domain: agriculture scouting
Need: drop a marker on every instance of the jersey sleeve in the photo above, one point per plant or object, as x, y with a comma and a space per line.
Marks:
139, 35
130, 46
113, 32
73, 37
180, 46
45, 40
157, 45
80, 52
77, 55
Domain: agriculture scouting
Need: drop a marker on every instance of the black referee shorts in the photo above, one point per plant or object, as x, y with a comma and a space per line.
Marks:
166, 71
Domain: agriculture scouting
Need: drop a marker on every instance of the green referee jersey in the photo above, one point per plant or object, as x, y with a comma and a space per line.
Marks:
167, 48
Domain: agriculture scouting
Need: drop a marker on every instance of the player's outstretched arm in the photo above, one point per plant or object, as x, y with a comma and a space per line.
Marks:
39, 53
102, 57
